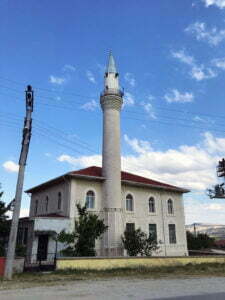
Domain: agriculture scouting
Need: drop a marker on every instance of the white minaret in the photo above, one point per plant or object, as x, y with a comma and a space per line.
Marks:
111, 102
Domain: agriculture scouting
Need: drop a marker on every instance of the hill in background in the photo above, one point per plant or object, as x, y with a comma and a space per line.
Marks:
213, 230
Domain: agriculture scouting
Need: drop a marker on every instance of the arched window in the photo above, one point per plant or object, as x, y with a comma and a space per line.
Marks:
59, 200
90, 199
151, 205
170, 206
36, 207
129, 203
46, 203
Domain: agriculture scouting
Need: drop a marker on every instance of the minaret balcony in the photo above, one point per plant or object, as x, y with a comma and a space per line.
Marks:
117, 92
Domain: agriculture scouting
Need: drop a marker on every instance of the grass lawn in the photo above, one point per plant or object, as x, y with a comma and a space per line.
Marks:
26, 280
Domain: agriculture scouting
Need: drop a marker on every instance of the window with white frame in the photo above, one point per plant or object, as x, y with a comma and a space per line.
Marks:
151, 205
129, 203
153, 231
172, 234
170, 206
90, 199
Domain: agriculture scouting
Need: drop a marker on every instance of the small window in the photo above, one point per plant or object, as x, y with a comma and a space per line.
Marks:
129, 203
151, 205
36, 207
153, 231
90, 199
170, 206
59, 200
130, 227
46, 204
172, 234
25, 236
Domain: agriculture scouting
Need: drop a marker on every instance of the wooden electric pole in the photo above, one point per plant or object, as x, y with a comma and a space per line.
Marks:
19, 187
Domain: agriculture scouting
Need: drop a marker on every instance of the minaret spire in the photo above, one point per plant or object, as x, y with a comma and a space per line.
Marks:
112, 78
111, 68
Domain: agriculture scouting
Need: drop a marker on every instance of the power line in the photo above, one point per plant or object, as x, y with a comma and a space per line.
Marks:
90, 97
62, 132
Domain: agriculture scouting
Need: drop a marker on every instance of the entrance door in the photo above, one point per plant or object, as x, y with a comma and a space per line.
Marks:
42, 251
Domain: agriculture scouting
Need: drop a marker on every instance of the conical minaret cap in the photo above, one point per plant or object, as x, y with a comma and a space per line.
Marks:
111, 65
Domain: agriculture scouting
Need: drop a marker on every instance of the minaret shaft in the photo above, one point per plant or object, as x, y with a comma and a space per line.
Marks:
111, 103
111, 156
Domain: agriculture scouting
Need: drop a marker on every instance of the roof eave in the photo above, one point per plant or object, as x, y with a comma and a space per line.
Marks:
61, 178
48, 183
166, 188
88, 177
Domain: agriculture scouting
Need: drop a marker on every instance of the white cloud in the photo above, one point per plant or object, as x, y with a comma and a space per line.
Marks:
149, 109
176, 96
57, 80
68, 67
91, 105
203, 212
90, 76
198, 119
188, 166
128, 99
101, 68
214, 145
213, 36
138, 145
197, 72
219, 63
151, 97
129, 77
11, 166
48, 154
82, 161
200, 73
215, 206
218, 3
183, 57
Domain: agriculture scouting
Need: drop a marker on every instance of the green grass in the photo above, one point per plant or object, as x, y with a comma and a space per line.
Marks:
26, 280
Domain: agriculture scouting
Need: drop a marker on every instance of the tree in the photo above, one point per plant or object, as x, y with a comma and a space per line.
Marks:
137, 242
4, 226
88, 228
201, 241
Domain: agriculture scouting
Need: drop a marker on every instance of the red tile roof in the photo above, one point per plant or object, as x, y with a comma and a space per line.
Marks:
125, 176
96, 173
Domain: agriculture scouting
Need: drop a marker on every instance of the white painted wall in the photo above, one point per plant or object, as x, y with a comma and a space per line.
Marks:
49, 224
141, 216
52, 193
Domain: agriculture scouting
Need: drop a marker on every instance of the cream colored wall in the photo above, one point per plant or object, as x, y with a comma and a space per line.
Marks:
79, 189
52, 193
141, 216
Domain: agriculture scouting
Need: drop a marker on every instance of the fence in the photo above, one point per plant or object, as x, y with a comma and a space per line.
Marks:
34, 263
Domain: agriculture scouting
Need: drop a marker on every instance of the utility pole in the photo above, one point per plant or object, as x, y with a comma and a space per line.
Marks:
19, 187
195, 232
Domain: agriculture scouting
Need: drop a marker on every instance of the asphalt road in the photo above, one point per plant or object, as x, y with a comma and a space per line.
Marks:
113, 289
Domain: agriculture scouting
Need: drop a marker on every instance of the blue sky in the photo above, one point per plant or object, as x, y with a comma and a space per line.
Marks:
170, 56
